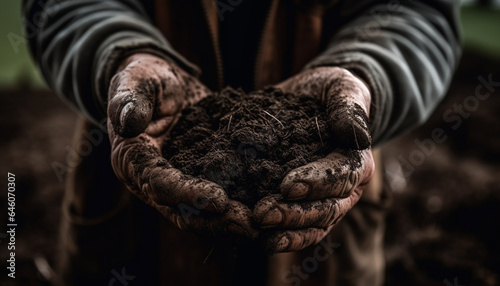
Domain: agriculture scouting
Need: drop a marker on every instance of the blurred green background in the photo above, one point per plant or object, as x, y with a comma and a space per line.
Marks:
16, 67
480, 29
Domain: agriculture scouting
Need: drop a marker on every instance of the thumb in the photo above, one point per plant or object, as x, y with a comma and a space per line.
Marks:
347, 101
348, 108
131, 104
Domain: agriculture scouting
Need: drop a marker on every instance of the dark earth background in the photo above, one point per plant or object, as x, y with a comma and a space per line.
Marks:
442, 228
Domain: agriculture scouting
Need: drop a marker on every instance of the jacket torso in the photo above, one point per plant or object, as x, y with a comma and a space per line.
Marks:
289, 36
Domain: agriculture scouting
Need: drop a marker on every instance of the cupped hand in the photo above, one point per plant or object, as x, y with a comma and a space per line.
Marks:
316, 196
145, 100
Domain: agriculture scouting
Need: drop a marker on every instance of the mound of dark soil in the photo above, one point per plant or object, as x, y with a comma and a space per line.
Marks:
248, 143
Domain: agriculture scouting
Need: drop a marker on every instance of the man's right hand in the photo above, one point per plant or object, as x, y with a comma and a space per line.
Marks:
146, 98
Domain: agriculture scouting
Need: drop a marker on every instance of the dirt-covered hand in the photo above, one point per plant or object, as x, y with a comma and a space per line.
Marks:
316, 196
146, 97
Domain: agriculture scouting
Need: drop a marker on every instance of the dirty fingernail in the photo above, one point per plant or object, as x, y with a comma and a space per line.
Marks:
298, 191
124, 113
272, 218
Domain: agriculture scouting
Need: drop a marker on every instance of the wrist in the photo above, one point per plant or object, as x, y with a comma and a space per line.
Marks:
358, 87
137, 57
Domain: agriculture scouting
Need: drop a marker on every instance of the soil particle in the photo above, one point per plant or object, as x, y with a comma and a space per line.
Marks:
248, 143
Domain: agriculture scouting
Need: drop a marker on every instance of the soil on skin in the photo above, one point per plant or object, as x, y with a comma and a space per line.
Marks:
248, 143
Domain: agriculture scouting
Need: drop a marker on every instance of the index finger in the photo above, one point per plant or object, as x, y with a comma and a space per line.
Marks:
335, 176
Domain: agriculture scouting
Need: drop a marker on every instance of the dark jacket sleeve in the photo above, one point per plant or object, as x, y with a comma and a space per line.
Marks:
79, 44
405, 50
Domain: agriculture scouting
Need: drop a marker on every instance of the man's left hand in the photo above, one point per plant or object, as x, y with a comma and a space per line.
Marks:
316, 196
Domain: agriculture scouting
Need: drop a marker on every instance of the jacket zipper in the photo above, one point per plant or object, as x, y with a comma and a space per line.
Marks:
215, 45
258, 57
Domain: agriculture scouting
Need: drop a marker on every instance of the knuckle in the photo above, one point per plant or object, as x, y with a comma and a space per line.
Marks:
335, 215
115, 83
351, 182
307, 238
331, 215
120, 161
353, 178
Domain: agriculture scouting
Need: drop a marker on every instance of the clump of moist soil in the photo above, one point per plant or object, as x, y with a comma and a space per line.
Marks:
247, 143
